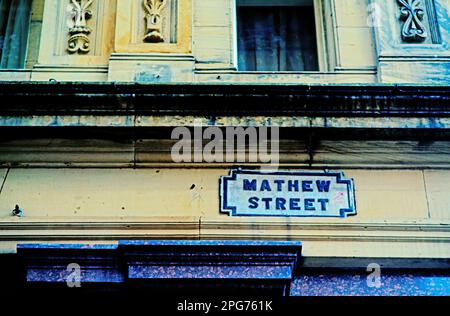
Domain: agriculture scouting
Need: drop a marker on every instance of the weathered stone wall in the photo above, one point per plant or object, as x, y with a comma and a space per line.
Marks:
359, 41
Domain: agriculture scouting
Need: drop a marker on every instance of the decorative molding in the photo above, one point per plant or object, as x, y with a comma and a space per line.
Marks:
61, 49
99, 228
436, 37
152, 26
79, 31
412, 13
24, 229
154, 20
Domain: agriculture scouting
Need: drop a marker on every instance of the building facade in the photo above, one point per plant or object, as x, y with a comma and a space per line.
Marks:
92, 91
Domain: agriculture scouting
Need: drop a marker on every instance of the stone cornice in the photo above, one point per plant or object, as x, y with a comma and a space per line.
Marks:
99, 99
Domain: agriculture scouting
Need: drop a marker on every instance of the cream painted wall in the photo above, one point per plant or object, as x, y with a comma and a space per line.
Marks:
354, 35
381, 195
401, 213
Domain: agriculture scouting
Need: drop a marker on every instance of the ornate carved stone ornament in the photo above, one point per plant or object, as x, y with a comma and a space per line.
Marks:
154, 20
412, 13
79, 31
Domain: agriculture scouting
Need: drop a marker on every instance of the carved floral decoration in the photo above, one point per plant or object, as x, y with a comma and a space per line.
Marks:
154, 20
412, 13
79, 31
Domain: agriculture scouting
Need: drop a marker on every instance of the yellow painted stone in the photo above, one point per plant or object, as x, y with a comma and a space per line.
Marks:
128, 39
389, 195
438, 193
107, 193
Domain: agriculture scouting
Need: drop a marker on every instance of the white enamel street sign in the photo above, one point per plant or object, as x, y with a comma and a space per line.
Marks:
290, 194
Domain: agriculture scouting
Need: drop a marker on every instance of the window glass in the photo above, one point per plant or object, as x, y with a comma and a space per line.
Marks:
272, 38
14, 28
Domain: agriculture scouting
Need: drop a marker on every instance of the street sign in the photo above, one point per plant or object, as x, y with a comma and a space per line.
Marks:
285, 193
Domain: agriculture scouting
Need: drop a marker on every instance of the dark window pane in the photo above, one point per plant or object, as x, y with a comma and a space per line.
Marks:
277, 39
14, 27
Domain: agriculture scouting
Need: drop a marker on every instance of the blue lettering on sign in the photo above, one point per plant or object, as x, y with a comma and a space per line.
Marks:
253, 202
301, 194
265, 186
250, 185
281, 204
323, 203
293, 185
307, 186
309, 205
323, 186
279, 185
267, 202
294, 204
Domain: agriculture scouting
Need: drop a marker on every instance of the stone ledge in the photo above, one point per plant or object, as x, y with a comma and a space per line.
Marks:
266, 263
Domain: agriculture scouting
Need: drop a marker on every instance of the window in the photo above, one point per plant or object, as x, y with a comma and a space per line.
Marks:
14, 27
276, 35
